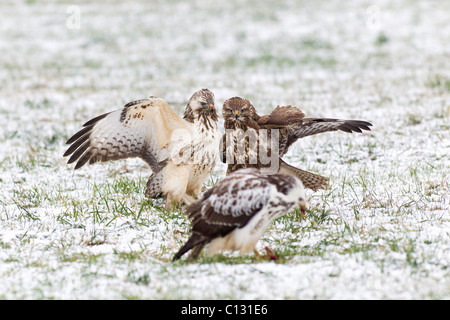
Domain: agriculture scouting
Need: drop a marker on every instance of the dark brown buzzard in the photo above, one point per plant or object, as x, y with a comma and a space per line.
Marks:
251, 141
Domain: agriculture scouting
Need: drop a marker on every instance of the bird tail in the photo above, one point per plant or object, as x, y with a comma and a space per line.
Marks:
154, 185
195, 242
310, 180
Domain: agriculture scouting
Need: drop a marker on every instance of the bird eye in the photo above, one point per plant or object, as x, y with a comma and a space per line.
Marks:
243, 109
231, 110
204, 104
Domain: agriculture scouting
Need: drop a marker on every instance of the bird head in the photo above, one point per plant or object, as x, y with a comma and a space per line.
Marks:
201, 104
237, 109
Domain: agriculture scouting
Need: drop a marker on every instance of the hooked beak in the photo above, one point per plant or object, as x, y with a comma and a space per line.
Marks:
302, 208
236, 114
211, 106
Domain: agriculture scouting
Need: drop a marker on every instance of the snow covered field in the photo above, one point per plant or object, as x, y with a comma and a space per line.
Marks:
382, 229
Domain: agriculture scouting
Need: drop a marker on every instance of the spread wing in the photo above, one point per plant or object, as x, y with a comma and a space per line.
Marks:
292, 125
311, 126
143, 128
230, 204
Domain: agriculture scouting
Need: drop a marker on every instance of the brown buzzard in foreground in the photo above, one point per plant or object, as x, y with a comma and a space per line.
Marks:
235, 212
263, 147
181, 152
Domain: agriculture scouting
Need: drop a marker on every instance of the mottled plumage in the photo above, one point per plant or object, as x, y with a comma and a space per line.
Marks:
181, 152
290, 125
235, 212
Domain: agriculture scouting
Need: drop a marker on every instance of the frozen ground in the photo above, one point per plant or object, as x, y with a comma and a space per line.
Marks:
381, 231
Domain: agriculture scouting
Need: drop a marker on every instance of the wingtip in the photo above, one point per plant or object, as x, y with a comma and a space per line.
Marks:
80, 163
364, 124
351, 126
180, 253
176, 257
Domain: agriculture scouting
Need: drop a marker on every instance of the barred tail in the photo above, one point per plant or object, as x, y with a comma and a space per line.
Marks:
310, 180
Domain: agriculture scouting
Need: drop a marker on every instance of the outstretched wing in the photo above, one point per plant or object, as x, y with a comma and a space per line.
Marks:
141, 129
292, 125
311, 126
230, 204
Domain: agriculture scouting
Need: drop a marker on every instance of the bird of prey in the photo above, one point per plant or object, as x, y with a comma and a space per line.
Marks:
236, 211
181, 152
245, 128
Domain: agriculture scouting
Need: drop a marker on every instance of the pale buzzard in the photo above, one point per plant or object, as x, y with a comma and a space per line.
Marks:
181, 152
235, 212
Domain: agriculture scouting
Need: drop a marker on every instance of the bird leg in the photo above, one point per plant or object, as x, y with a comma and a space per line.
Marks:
171, 203
188, 200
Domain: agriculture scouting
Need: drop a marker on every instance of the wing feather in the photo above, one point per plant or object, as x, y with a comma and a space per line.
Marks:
292, 125
230, 204
311, 126
143, 128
